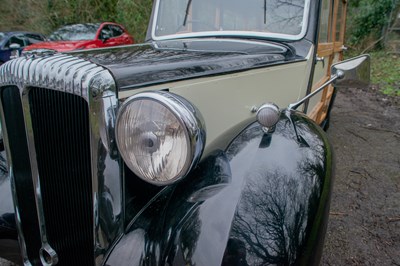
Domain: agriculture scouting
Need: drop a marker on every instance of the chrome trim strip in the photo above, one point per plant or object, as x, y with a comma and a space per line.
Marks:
21, 238
35, 176
107, 187
246, 34
96, 85
251, 42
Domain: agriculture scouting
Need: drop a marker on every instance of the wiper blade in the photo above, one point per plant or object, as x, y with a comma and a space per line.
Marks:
189, 4
265, 11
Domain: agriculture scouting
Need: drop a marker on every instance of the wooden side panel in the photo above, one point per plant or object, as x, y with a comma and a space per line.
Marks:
329, 51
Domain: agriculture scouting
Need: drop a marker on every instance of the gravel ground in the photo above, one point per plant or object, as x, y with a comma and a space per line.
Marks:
364, 224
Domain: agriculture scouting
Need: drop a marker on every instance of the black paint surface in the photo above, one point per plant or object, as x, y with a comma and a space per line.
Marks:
262, 201
155, 63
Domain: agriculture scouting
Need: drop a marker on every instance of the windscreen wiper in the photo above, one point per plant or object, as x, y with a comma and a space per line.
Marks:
265, 11
189, 4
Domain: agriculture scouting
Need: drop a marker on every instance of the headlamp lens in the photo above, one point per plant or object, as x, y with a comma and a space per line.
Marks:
154, 139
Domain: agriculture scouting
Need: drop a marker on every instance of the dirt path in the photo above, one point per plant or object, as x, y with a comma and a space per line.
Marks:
364, 225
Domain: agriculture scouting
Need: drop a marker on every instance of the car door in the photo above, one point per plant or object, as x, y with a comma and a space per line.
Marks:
329, 50
120, 35
113, 35
8, 51
106, 35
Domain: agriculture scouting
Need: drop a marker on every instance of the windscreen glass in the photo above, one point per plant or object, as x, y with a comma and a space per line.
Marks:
76, 32
266, 17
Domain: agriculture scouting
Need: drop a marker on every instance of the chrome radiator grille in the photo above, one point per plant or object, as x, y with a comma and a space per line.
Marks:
60, 123
52, 138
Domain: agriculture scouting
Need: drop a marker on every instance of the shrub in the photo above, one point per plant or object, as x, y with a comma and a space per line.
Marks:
46, 15
368, 20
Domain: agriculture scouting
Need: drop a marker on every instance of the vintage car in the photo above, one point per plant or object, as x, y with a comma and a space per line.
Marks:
202, 146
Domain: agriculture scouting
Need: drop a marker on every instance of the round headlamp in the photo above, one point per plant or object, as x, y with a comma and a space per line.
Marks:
160, 136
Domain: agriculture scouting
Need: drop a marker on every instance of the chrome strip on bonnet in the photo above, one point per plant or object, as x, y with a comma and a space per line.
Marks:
96, 85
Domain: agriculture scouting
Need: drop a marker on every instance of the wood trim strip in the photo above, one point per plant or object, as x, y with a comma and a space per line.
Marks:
338, 47
325, 49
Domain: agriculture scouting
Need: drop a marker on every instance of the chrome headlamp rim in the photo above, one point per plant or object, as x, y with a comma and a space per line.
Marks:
189, 118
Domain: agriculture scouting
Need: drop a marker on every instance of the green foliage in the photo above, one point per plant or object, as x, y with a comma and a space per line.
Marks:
135, 16
385, 72
47, 15
368, 18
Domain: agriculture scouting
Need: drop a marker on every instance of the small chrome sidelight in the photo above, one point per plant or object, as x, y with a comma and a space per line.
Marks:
268, 115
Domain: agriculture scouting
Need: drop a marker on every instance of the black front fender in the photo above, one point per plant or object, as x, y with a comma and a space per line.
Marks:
263, 200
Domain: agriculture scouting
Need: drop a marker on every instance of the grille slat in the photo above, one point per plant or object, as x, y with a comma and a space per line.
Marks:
60, 123
13, 115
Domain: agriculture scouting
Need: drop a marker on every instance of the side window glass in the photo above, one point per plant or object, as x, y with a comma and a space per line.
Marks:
106, 32
33, 38
325, 25
117, 31
18, 39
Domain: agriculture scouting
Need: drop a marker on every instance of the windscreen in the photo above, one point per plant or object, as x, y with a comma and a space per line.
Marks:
76, 32
279, 18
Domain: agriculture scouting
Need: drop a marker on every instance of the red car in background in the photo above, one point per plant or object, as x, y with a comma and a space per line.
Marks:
84, 36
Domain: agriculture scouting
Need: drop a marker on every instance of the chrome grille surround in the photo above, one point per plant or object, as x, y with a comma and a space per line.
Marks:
96, 86
59, 72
